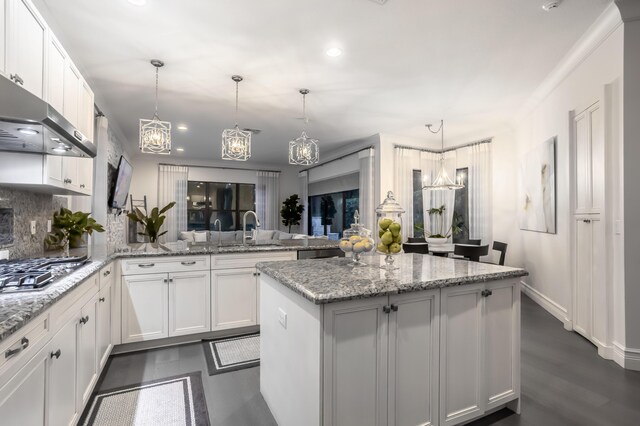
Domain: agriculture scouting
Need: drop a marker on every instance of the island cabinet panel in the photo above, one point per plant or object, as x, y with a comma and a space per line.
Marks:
355, 362
413, 359
233, 298
189, 295
145, 307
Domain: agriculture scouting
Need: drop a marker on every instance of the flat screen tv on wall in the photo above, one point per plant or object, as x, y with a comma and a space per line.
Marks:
120, 189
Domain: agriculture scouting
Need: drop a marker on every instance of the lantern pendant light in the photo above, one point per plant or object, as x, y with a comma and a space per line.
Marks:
236, 143
442, 182
155, 135
303, 151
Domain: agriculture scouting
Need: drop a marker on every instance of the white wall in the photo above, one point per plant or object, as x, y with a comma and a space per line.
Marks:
547, 257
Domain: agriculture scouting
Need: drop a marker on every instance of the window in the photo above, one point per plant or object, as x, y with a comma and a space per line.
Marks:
461, 205
418, 206
208, 201
330, 214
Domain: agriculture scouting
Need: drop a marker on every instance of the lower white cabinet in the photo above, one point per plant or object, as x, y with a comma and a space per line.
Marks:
87, 349
234, 300
104, 321
63, 361
189, 295
381, 361
145, 307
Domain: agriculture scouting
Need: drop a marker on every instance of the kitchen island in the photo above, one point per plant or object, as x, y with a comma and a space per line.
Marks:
436, 342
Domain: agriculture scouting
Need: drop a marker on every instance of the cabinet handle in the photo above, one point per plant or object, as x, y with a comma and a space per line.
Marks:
55, 354
24, 344
586, 220
394, 307
486, 293
146, 265
84, 320
82, 185
386, 309
170, 280
17, 79
193, 262
106, 273
101, 299
165, 280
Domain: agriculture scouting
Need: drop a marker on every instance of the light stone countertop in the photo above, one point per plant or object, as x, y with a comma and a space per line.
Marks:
334, 280
17, 309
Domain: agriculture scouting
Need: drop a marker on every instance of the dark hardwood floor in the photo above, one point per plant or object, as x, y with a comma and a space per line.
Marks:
564, 381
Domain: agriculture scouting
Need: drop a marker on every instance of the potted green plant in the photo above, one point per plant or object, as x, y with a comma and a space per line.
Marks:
438, 234
68, 229
291, 211
152, 223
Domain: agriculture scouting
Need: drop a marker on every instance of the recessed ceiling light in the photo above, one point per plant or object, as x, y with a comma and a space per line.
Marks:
182, 127
62, 148
547, 7
138, 2
180, 149
334, 51
28, 131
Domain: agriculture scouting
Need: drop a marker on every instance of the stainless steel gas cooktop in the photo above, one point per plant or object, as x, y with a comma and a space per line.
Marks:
36, 274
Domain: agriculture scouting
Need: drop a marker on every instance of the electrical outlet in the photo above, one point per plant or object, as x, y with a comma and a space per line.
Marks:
618, 227
4, 254
49, 225
282, 318
33, 227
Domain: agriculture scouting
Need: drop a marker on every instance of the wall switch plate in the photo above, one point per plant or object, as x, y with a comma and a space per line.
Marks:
33, 227
618, 227
4, 254
49, 225
282, 318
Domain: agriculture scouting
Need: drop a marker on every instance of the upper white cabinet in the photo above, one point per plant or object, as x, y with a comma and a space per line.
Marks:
588, 133
3, 36
72, 83
86, 114
26, 47
56, 64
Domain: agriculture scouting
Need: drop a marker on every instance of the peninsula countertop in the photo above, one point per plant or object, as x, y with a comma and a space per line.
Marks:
333, 280
17, 309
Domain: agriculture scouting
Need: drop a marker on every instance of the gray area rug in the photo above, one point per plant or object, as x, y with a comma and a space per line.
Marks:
174, 401
232, 353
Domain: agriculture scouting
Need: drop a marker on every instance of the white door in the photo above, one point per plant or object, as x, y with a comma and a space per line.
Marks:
104, 323
145, 307
233, 298
26, 47
3, 36
461, 357
582, 316
55, 74
22, 398
356, 336
72, 80
599, 292
62, 386
87, 345
189, 302
588, 131
53, 170
413, 358
502, 343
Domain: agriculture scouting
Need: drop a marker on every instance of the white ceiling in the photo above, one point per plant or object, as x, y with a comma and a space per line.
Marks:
405, 63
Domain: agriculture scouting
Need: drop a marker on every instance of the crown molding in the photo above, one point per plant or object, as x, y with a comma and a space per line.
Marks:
629, 9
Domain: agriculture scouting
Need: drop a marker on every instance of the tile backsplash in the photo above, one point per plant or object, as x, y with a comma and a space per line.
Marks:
27, 206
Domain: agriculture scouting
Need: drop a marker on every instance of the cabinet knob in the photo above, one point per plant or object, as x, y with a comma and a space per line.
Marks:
106, 273
486, 293
82, 185
586, 220
394, 308
17, 79
101, 299
84, 320
386, 309
55, 354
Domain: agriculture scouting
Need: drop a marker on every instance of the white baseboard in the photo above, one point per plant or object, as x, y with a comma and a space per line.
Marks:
628, 358
549, 305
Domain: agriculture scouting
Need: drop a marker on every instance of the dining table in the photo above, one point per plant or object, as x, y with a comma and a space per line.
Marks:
444, 250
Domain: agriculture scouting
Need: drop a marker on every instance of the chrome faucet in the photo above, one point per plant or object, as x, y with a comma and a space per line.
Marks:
219, 231
244, 225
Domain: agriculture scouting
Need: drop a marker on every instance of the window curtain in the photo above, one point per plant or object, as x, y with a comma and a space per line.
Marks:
172, 186
367, 188
404, 165
480, 182
303, 180
430, 166
268, 199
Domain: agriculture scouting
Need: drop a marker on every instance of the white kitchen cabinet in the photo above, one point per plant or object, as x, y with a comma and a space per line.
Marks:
233, 298
189, 303
72, 84
356, 336
87, 349
413, 359
3, 36
588, 133
27, 36
71, 173
56, 64
86, 111
53, 174
479, 349
62, 386
105, 307
145, 307
23, 398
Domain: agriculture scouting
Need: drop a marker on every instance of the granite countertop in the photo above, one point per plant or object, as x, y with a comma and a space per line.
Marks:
17, 309
333, 280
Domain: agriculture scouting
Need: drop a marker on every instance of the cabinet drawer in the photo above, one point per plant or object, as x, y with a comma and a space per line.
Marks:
248, 260
154, 265
106, 275
24, 343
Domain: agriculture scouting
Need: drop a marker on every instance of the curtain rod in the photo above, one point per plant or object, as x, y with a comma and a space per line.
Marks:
221, 167
337, 159
434, 151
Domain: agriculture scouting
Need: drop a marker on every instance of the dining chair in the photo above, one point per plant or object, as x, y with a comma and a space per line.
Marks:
470, 242
471, 252
502, 248
418, 247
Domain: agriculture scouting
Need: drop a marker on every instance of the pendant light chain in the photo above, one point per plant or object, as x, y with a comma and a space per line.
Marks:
157, 79
442, 181
237, 84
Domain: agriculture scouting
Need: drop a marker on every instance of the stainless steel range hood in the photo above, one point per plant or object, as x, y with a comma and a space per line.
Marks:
29, 124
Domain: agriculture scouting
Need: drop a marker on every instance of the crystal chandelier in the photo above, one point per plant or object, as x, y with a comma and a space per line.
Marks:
236, 143
303, 151
442, 182
155, 135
